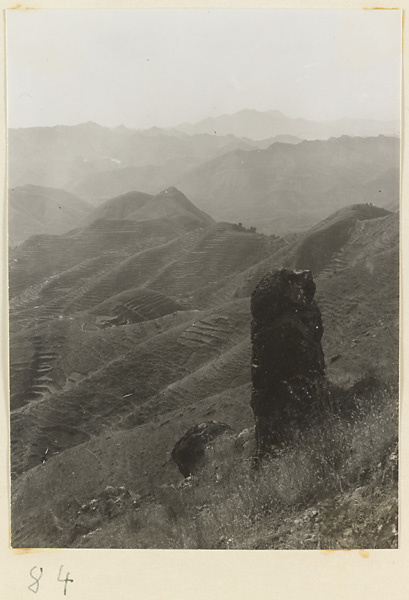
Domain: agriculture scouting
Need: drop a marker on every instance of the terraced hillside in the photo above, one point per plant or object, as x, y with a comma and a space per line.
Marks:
56, 269
142, 330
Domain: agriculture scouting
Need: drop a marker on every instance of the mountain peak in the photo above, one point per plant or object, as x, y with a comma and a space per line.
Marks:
173, 199
171, 191
170, 203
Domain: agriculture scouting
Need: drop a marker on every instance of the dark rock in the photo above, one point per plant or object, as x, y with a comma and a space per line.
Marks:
288, 367
189, 452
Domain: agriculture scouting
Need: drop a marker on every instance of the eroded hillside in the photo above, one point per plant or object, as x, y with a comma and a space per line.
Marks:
134, 328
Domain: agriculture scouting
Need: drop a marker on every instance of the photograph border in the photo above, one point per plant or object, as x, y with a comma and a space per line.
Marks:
210, 574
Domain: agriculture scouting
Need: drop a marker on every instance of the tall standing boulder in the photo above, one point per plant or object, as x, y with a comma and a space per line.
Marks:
288, 367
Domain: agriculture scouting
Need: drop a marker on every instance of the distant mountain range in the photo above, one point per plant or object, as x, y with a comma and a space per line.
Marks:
82, 158
69, 157
278, 187
260, 125
289, 187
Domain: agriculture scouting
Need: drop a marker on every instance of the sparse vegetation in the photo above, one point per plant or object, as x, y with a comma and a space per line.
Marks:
240, 227
335, 487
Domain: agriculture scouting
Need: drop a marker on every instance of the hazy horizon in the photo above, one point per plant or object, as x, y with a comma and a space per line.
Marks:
176, 125
145, 68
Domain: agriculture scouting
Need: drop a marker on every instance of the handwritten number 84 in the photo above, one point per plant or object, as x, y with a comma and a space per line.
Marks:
35, 586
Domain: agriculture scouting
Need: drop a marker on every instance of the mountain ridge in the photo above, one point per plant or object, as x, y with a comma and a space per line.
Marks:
291, 186
259, 124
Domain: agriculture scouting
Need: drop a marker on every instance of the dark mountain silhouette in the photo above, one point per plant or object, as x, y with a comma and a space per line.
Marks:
126, 333
34, 209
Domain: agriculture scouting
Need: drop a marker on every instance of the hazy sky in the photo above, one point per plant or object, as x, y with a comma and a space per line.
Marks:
162, 67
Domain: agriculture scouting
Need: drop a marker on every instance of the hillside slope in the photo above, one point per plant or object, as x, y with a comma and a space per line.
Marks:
120, 228
137, 206
36, 210
100, 397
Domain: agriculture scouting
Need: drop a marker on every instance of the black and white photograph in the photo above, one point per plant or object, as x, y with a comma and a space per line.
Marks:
203, 264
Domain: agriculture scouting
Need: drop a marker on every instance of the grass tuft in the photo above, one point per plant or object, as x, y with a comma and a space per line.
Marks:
334, 487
